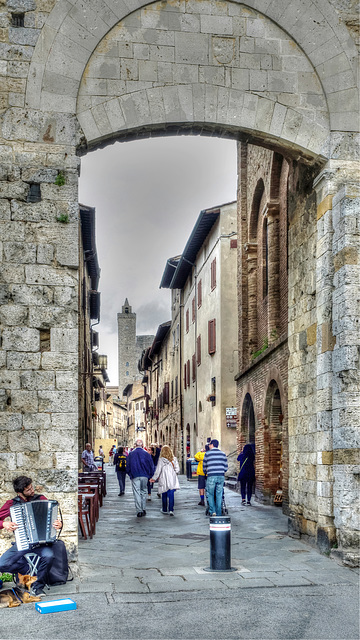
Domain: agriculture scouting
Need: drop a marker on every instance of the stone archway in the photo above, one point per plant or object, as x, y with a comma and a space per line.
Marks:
281, 76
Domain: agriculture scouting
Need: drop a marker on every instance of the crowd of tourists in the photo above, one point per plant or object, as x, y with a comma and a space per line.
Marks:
156, 463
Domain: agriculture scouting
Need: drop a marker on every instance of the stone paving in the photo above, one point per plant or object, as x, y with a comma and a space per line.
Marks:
150, 572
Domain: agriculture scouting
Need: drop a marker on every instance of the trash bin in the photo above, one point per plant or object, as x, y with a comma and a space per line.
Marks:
99, 461
220, 544
191, 466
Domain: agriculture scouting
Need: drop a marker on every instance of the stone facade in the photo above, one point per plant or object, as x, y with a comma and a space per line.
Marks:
75, 75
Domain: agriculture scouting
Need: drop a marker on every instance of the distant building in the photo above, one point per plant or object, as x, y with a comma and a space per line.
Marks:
130, 347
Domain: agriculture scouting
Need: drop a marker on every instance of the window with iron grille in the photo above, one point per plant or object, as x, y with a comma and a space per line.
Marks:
199, 292
187, 323
212, 336
194, 367
34, 194
193, 310
198, 350
17, 19
213, 274
188, 373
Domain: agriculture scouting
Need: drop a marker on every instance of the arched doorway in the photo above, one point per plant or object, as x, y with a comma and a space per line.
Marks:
273, 443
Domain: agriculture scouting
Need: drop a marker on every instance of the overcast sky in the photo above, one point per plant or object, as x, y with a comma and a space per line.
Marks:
148, 195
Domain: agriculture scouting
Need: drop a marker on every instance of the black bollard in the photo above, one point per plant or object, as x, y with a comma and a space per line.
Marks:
220, 544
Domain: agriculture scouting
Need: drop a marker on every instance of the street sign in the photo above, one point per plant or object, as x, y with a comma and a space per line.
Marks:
231, 412
231, 423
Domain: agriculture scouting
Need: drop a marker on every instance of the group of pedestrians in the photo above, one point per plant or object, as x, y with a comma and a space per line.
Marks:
211, 469
143, 469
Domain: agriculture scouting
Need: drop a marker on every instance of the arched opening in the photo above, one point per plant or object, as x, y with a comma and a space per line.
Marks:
188, 441
273, 476
248, 420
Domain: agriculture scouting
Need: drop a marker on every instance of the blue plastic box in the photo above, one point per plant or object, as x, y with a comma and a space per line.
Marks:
52, 606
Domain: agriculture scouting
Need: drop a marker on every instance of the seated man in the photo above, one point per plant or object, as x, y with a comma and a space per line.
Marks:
12, 560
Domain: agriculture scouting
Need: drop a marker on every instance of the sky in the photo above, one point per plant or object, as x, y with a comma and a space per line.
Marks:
148, 195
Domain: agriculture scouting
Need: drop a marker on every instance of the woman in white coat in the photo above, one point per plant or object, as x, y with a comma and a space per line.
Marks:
166, 472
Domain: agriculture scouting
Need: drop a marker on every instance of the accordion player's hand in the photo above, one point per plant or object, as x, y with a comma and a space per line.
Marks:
57, 524
10, 526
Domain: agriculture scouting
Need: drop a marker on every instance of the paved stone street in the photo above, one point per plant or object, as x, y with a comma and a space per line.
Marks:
144, 578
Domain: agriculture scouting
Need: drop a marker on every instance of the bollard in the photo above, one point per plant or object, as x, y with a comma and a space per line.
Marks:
220, 544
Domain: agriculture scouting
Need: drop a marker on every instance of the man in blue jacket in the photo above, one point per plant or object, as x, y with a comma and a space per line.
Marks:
214, 465
140, 467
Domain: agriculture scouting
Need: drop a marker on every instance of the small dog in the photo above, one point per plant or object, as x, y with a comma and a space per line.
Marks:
8, 599
24, 582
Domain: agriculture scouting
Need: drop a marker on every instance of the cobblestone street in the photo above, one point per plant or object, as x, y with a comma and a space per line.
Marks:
145, 578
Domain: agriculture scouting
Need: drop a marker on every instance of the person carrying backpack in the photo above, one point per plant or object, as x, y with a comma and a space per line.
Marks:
120, 468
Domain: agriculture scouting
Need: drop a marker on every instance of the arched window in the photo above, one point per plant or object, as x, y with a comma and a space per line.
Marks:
265, 257
248, 419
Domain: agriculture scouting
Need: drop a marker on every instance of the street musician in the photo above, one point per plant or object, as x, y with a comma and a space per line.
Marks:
13, 560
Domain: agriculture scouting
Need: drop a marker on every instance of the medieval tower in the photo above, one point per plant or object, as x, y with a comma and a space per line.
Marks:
130, 346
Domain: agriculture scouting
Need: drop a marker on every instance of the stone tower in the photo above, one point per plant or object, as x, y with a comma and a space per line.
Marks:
130, 346
127, 351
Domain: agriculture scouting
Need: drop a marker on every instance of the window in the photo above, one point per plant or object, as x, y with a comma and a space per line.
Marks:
187, 323
185, 375
172, 390
127, 364
17, 19
166, 393
176, 385
34, 194
198, 350
213, 274
127, 373
194, 367
212, 336
199, 292
188, 373
265, 257
177, 333
193, 310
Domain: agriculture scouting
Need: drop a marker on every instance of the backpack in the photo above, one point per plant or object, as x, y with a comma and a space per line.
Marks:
121, 463
59, 570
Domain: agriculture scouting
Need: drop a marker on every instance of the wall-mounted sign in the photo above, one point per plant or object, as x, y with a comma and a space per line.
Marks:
231, 412
231, 423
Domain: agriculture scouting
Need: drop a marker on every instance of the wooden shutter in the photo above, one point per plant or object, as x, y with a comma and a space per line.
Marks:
193, 310
199, 292
187, 323
213, 274
212, 336
185, 375
198, 350
194, 367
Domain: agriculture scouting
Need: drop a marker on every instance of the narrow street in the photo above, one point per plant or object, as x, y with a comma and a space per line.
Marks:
144, 578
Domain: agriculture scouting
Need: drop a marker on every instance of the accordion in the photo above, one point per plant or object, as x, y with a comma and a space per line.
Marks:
35, 523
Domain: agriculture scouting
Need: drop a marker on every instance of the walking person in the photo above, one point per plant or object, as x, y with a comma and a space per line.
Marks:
154, 452
140, 467
215, 464
247, 473
120, 469
199, 457
166, 473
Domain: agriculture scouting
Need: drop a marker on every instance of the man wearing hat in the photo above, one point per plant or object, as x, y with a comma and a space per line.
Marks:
215, 464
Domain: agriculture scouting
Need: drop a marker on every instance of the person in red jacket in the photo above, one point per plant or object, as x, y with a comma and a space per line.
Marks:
13, 561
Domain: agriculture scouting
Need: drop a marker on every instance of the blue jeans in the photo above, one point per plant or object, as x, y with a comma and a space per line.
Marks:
121, 475
214, 491
168, 495
13, 561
